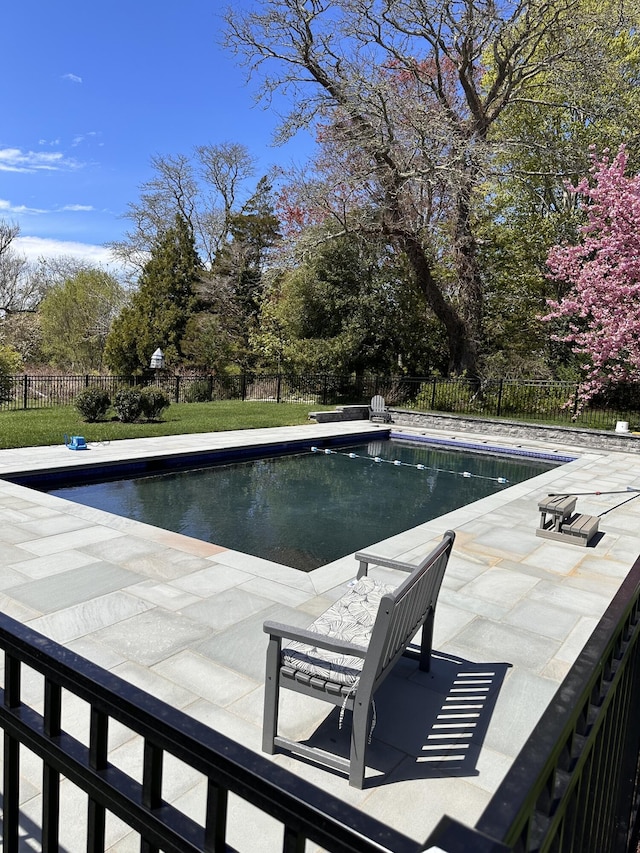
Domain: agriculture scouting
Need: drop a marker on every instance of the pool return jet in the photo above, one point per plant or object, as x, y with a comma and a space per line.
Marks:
558, 519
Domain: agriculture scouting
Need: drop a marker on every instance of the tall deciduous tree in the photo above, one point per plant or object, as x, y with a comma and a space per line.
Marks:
18, 290
75, 318
410, 90
543, 141
159, 310
348, 307
205, 188
601, 311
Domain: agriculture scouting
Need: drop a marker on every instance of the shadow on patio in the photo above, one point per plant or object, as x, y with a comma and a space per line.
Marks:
425, 724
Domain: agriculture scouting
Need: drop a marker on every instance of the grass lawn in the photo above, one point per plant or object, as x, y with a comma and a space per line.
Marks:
49, 426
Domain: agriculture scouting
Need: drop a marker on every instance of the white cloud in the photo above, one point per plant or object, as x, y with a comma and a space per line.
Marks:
7, 208
16, 160
78, 207
39, 247
84, 137
73, 78
15, 209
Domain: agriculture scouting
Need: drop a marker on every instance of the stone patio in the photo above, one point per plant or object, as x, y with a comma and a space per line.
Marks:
183, 619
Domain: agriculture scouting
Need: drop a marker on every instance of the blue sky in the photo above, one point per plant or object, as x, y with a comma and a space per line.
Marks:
90, 91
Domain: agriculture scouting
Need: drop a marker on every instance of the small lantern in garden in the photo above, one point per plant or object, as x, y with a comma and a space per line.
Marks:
157, 360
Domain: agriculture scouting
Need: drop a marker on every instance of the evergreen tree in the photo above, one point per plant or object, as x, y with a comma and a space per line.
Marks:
233, 293
160, 309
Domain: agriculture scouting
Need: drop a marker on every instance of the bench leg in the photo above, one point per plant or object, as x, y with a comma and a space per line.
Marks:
426, 643
271, 696
359, 738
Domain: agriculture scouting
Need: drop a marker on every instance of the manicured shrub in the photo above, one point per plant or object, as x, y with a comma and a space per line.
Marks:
154, 401
92, 403
198, 391
128, 405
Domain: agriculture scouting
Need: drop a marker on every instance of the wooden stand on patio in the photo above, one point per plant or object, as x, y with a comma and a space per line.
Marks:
558, 521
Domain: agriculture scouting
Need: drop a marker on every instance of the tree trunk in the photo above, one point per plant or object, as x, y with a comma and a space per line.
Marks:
465, 260
460, 327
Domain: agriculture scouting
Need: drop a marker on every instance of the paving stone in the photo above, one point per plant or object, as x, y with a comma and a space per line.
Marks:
227, 608
543, 618
150, 636
81, 538
68, 588
515, 646
214, 683
88, 617
53, 564
500, 586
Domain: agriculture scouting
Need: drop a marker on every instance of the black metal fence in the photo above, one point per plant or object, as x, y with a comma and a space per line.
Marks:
574, 787
36, 392
531, 400
576, 784
225, 767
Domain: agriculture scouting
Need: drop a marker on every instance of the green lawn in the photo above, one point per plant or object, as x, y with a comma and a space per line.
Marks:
49, 426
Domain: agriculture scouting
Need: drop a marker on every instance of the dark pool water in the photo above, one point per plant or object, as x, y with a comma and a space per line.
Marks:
309, 509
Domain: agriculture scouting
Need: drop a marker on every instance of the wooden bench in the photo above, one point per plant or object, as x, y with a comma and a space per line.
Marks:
346, 654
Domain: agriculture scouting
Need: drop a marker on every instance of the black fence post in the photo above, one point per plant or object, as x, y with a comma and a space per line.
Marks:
433, 394
278, 387
243, 387
325, 390
178, 388
25, 391
499, 406
575, 403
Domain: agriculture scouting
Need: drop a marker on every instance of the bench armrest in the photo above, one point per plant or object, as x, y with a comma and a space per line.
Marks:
366, 559
313, 638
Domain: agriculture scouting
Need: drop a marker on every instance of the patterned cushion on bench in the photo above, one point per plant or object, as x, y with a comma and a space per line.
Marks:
351, 618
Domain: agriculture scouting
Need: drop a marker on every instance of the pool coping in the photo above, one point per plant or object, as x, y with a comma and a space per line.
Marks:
66, 473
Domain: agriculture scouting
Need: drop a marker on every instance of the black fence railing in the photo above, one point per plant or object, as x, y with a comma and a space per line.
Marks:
576, 784
83, 760
530, 400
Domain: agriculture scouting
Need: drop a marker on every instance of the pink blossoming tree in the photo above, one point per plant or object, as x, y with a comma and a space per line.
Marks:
602, 308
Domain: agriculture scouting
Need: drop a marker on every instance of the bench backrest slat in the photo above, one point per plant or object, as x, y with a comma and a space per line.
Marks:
404, 610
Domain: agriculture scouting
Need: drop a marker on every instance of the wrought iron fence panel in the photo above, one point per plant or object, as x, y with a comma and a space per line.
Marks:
575, 785
532, 400
165, 735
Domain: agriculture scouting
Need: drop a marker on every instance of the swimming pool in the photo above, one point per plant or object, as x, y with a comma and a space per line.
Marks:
310, 508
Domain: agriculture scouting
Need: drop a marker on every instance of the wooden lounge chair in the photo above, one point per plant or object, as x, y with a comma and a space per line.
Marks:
378, 411
346, 654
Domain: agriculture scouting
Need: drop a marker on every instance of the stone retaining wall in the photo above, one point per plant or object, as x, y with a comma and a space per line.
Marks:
601, 439
341, 413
